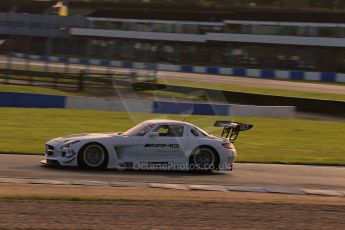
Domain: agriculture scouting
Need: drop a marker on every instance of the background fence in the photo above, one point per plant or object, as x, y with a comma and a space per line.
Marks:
72, 73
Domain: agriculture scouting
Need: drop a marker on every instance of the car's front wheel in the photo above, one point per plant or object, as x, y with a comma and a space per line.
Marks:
203, 159
93, 156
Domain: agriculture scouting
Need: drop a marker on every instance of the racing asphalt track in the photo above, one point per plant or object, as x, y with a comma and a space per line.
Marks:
261, 175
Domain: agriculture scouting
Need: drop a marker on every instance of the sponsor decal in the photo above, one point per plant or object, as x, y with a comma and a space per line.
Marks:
171, 146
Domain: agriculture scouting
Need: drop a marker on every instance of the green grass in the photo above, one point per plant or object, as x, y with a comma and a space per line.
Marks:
277, 92
172, 95
270, 141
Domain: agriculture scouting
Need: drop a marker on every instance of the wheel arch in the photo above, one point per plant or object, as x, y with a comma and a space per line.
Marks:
93, 143
209, 147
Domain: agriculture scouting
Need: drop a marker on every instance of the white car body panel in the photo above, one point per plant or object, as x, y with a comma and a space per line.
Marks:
134, 151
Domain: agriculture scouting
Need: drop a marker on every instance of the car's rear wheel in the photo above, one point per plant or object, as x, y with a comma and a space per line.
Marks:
203, 159
93, 156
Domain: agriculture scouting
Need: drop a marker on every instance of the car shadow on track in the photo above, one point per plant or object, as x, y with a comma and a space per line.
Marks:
129, 172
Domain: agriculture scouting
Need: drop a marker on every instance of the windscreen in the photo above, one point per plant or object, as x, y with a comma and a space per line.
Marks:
139, 130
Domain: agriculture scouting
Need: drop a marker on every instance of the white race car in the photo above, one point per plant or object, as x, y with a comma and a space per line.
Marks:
152, 144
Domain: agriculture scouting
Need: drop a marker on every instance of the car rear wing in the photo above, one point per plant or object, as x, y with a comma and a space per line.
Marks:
232, 129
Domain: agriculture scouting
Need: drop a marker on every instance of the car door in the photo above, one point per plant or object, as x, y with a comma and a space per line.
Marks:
164, 142
126, 147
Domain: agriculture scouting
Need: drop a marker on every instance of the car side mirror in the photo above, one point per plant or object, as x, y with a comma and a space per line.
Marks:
154, 134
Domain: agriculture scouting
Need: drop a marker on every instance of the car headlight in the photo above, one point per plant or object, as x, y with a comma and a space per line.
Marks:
66, 148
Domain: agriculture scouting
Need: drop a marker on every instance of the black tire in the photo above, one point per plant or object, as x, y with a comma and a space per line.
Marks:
204, 159
93, 156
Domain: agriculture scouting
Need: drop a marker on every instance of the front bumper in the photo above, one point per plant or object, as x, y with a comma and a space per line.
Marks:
55, 156
48, 162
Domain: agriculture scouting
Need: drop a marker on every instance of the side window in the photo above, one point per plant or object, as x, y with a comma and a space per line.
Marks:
170, 130
194, 132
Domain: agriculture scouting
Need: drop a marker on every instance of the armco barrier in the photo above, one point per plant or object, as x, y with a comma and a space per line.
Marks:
244, 72
190, 108
25, 100
262, 111
108, 104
